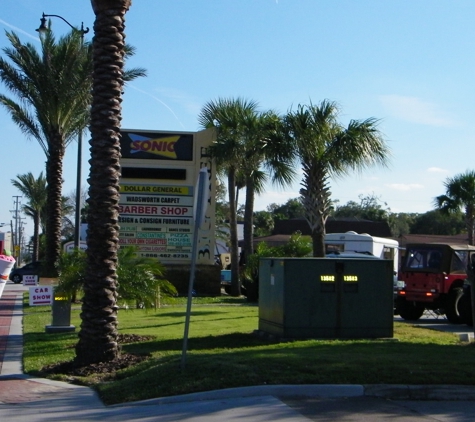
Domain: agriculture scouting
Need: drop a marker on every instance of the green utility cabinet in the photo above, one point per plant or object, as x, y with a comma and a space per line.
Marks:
61, 313
326, 297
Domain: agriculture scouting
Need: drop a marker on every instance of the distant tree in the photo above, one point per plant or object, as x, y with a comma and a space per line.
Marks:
369, 208
293, 208
436, 222
401, 223
263, 223
35, 192
460, 195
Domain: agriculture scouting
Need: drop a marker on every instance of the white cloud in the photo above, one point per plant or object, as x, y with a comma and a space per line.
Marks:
415, 110
273, 197
436, 170
404, 186
189, 103
15, 28
160, 101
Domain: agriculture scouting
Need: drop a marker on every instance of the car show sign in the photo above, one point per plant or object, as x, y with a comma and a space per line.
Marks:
30, 280
41, 295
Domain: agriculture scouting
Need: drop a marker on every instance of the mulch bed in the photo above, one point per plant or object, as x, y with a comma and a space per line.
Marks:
103, 368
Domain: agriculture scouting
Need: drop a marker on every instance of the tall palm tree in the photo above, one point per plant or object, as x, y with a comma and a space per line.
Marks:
53, 91
34, 190
325, 148
460, 195
98, 334
266, 154
228, 150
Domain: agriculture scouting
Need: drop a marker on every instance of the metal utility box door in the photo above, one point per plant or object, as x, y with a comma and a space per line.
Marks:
326, 297
61, 310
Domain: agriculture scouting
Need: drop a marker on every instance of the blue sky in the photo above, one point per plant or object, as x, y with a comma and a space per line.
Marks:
408, 63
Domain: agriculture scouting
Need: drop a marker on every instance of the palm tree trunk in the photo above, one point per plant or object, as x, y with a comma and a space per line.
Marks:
316, 201
54, 179
98, 335
249, 221
235, 284
36, 236
470, 222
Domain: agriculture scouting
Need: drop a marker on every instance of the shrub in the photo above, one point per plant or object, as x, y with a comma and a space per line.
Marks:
297, 246
138, 279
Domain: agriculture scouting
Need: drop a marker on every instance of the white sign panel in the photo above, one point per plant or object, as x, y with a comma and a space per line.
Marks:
157, 219
69, 246
41, 295
30, 280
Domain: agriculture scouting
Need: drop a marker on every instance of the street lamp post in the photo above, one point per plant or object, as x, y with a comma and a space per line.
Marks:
77, 223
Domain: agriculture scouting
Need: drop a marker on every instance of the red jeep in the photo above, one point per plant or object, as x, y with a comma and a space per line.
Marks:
433, 274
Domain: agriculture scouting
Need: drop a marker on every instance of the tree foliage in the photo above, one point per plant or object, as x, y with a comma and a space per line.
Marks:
293, 208
35, 191
140, 280
460, 195
439, 223
297, 246
51, 92
370, 207
326, 148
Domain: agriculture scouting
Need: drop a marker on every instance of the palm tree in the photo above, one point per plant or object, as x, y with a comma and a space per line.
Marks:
266, 153
325, 148
53, 88
228, 150
460, 195
34, 190
98, 334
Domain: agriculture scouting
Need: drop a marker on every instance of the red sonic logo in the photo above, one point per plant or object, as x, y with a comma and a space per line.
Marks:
164, 147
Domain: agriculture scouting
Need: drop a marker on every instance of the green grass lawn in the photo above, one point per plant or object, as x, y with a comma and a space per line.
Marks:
223, 352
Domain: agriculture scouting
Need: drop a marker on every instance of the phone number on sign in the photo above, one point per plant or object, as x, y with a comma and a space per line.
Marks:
166, 255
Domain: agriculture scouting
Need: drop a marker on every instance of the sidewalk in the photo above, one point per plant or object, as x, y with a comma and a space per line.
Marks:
24, 398
15, 387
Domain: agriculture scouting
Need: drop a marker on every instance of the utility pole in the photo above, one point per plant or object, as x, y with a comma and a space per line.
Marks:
16, 237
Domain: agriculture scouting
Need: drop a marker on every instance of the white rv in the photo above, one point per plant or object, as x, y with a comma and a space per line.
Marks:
353, 242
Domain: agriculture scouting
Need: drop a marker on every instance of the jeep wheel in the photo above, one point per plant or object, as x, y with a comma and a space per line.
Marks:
410, 311
464, 308
451, 311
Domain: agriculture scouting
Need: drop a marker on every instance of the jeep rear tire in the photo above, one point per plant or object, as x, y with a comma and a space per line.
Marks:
410, 311
451, 311
464, 308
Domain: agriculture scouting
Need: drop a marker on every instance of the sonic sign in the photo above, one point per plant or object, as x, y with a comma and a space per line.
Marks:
157, 189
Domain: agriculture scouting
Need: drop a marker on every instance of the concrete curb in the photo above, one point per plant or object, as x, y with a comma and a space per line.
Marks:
389, 391
421, 392
323, 390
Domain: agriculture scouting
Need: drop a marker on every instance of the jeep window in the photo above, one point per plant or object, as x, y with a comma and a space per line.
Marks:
416, 258
424, 259
459, 262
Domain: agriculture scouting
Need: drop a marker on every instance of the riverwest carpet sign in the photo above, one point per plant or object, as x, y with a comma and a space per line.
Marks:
157, 193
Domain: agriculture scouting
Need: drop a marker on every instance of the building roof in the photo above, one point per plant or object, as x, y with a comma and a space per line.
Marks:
458, 239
